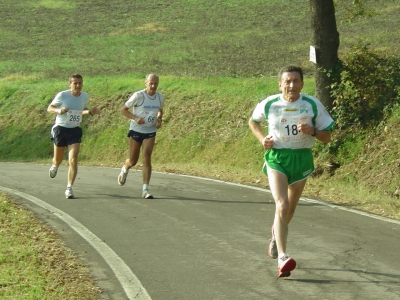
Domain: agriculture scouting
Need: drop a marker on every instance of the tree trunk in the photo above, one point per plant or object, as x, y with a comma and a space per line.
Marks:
326, 43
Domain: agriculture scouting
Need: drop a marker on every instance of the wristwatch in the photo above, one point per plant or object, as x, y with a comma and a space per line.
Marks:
315, 132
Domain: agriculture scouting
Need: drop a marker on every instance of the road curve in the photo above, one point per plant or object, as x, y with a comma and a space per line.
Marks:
206, 239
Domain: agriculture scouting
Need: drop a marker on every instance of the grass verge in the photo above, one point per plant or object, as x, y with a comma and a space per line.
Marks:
35, 263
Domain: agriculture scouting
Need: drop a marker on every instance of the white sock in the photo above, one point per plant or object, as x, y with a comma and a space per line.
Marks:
282, 255
145, 187
69, 186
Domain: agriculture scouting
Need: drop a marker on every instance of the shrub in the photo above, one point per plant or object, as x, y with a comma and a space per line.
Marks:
365, 86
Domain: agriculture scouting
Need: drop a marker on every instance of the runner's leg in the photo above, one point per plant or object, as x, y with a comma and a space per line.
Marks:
58, 155
148, 145
73, 152
294, 191
134, 151
279, 187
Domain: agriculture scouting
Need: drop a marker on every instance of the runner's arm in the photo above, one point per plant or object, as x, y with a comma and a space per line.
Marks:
323, 135
159, 118
126, 112
256, 130
56, 110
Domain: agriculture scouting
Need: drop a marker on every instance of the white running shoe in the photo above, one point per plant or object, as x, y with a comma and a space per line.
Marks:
53, 171
272, 248
147, 195
68, 193
122, 176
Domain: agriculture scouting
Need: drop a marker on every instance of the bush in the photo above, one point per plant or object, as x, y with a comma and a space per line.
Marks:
366, 90
365, 86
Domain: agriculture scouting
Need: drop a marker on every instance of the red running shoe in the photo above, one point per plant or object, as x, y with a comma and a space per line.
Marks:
286, 264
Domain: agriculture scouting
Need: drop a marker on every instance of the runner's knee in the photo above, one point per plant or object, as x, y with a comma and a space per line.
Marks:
131, 162
282, 209
73, 160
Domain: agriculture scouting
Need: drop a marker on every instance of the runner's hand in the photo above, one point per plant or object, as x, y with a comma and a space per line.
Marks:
95, 111
268, 142
305, 128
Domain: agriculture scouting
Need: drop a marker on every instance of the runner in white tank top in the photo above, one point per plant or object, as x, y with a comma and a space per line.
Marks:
145, 107
145, 110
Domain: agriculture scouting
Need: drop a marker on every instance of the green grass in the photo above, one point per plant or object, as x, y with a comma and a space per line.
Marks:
234, 38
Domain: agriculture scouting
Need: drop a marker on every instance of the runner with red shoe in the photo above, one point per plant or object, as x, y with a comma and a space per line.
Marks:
294, 120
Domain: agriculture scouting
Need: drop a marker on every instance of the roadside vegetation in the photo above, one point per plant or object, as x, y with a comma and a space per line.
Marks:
35, 264
216, 60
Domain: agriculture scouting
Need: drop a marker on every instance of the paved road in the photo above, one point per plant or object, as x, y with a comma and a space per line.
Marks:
204, 239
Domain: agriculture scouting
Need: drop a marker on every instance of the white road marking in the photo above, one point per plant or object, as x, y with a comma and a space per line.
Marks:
359, 212
129, 282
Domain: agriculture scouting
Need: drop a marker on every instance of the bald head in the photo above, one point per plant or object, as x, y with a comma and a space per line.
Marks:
151, 84
151, 77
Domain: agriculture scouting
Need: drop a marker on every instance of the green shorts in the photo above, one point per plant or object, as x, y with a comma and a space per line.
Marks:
296, 164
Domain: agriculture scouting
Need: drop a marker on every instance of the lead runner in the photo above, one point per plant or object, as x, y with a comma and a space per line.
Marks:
294, 120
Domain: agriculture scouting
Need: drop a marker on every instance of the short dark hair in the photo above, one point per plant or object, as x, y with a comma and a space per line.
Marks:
290, 68
75, 76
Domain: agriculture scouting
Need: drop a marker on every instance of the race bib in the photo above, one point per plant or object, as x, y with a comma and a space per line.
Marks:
150, 117
288, 125
74, 117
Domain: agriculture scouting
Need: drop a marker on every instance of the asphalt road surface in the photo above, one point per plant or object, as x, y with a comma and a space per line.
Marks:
206, 239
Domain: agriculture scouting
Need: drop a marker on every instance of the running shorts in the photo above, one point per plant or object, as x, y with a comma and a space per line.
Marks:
296, 164
63, 136
140, 137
